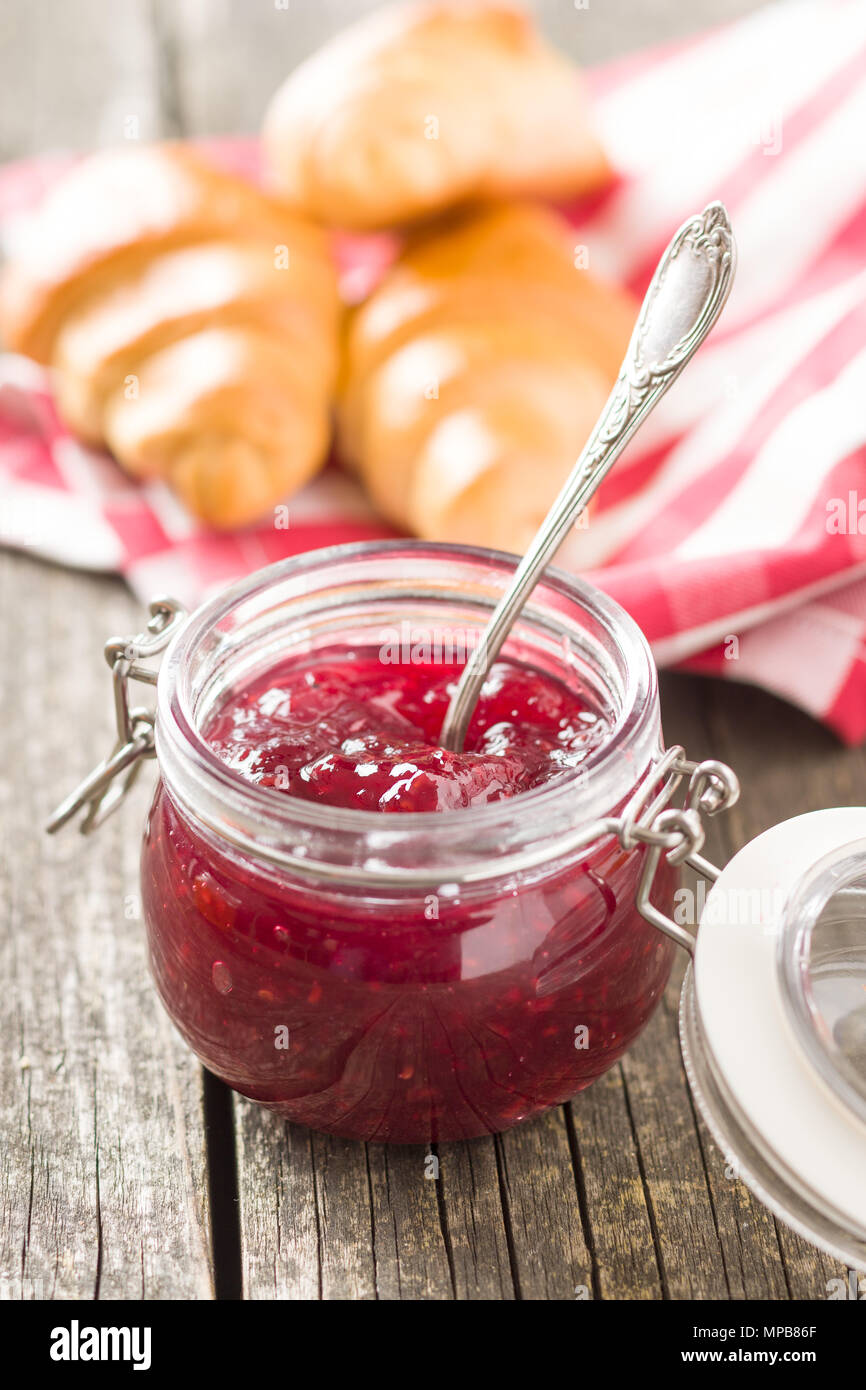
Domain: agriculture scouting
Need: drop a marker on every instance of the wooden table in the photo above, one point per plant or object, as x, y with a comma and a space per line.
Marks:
126, 1171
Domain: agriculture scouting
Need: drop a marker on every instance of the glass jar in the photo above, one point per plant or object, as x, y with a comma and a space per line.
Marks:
422, 976
417, 977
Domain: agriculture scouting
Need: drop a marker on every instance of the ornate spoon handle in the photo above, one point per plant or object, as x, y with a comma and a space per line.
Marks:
686, 296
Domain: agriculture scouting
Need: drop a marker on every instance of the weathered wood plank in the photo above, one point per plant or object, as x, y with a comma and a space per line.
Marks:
77, 75
549, 1251
750, 1254
686, 1240
411, 1252
322, 1218
345, 1219
608, 1166
277, 1212
472, 1217
105, 1177
809, 1273
104, 1190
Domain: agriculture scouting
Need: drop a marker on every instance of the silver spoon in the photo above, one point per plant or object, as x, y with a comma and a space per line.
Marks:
687, 293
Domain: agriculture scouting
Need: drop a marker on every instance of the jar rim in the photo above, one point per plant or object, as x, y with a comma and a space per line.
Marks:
608, 774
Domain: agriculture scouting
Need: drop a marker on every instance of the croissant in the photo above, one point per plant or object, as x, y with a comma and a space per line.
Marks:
192, 322
474, 373
419, 107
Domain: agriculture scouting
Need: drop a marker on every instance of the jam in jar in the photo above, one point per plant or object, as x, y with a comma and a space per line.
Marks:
374, 936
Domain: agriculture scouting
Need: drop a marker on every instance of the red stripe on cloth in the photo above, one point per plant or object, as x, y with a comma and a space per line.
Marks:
139, 531
207, 560
847, 714
661, 533
671, 598
625, 482
26, 459
841, 259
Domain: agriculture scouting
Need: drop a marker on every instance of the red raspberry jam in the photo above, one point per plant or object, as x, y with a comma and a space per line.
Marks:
399, 1016
363, 734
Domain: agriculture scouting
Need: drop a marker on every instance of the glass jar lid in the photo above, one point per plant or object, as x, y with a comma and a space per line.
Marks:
773, 1023
822, 957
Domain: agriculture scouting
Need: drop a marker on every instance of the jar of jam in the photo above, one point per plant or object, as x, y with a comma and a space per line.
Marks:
388, 941
348, 924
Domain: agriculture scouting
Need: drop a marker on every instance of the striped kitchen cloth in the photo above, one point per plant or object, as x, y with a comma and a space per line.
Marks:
734, 529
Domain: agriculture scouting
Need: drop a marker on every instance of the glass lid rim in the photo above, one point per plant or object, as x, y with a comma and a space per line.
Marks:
773, 1181
801, 913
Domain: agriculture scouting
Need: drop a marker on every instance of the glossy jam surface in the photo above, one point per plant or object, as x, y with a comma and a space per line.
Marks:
363, 734
401, 1016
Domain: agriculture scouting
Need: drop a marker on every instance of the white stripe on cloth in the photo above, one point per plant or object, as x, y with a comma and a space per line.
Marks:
678, 130
798, 331
92, 474
720, 370
797, 208
174, 519
59, 526
766, 508
691, 641
171, 572
772, 655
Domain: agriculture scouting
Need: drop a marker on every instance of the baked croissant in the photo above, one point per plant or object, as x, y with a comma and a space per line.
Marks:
192, 322
474, 373
422, 106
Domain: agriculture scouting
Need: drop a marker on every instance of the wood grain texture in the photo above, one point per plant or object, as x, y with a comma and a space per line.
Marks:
278, 1216
608, 1169
409, 1244
104, 1178
473, 1218
77, 74
550, 1259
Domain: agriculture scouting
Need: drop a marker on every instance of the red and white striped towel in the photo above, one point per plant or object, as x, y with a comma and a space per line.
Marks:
734, 530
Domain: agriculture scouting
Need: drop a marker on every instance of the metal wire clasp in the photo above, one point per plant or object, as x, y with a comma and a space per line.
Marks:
678, 830
100, 792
